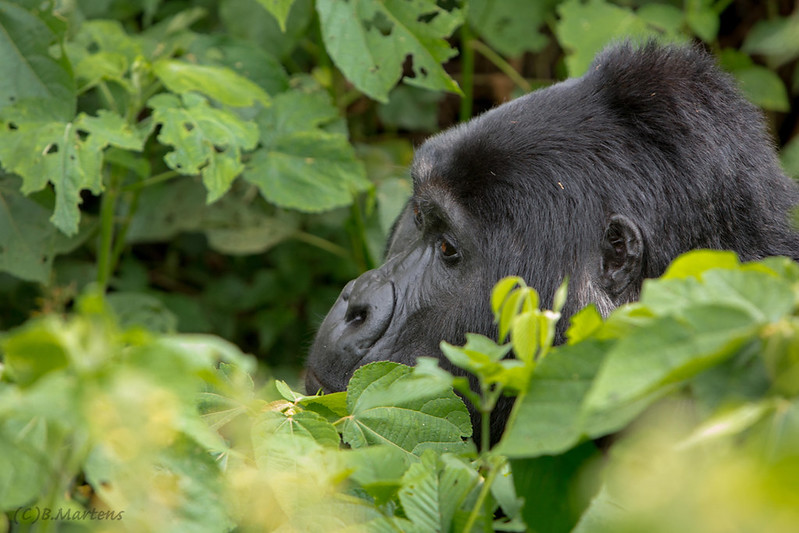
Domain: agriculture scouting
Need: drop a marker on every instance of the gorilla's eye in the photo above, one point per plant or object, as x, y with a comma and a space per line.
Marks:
417, 216
448, 250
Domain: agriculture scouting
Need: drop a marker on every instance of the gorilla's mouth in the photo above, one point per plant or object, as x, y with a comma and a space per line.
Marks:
313, 384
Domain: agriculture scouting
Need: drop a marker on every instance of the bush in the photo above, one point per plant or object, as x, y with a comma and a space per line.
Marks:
172, 173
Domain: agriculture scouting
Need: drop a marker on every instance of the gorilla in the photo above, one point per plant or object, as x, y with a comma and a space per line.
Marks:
604, 178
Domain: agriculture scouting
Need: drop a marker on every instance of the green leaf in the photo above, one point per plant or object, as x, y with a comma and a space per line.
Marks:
694, 264
546, 483
500, 292
774, 38
547, 419
411, 108
378, 470
28, 242
60, 153
438, 491
586, 28
30, 72
142, 310
248, 21
205, 140
219, 83
702, 20
333, 406
32, 352
728, 423
764, 88
668, 351
113, 129
390, 405
369, 41
667, 18
279, 9
303, 424
301, 165
511, 27
583, 323
762, 295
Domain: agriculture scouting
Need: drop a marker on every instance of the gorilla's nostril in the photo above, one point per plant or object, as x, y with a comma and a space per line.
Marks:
356, 316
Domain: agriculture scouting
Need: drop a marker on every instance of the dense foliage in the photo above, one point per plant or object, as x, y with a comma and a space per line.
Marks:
175, 173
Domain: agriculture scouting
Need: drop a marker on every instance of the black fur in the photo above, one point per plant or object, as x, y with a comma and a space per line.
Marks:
604, 178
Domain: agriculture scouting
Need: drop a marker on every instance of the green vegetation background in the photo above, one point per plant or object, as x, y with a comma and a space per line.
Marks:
178, 173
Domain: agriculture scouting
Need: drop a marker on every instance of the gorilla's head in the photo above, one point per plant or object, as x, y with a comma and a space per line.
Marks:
604, 178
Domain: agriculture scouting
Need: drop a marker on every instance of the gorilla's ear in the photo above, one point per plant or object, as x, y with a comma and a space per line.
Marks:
622, 255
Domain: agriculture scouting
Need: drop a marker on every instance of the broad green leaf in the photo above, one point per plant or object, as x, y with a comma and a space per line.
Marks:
245, 59
586, 28
702, 19
547, 417
390, 405
411, 108
28, 242
30, 72
113, 129
34, 351
694, 264
309, 171
583, 323
206, 140
369, 41
762, 295
419, 495
219, 83
303, 424
102, 50
729, 423
332, 406
511, 27
68, 155
776, 38
378, 470
666, 17
763, 87
142, 310
668, 351
301, 165
23, 475
279, 9
546, 483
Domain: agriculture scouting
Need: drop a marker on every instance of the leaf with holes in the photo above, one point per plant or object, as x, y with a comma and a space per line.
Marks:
29, 71
67, 154
206, 140
388, 404
369, 41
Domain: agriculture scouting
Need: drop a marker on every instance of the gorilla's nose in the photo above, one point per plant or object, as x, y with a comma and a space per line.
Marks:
370, 306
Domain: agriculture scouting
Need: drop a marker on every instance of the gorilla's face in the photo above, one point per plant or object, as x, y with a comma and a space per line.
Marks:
434, 267
604, 179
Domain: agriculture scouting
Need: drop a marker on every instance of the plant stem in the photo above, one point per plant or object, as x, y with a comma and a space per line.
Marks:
467, 72
119, 245
481, 499
158, 178
104, 252
319, 242
501, 64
